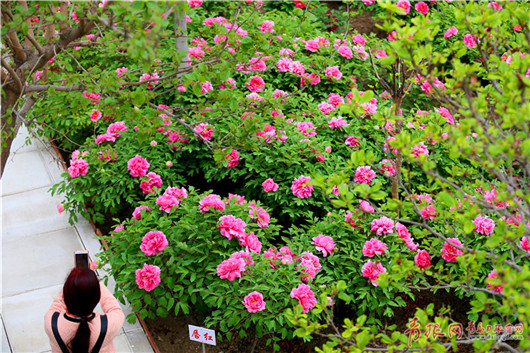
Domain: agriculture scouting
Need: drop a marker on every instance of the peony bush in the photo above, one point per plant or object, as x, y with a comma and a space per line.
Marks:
277, 155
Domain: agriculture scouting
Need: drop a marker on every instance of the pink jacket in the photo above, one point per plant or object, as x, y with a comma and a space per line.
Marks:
67, 328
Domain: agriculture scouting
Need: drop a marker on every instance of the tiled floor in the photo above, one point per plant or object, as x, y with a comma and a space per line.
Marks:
37, 250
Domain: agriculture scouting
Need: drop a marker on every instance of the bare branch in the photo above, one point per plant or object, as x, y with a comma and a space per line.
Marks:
42, 88
13, 75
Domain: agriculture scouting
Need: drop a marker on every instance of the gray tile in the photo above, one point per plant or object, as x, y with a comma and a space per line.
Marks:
31, 212
53, 164
20, 142
127, 327
25, 171
38, 261
139, 341
5, 342
24, 319
88, 236
122, 345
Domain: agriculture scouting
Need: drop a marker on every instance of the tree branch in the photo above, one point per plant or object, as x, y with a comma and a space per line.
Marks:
16, 79
42, 88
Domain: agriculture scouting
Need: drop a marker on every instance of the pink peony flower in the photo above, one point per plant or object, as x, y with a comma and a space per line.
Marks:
254, 302
255, 84
300, 187
205, 130
422, 7
326, 108
154, 181
94, 97
484, 225
266, 26
95, 115
312, 78
335, 100
366, 207
364, 175
525, 244
137, 166
336, 123
78, 167
195, 53
495, 5
270, 185
422, 259
306, 297
246, 256
251, 242
179, 194
121, 70
194, 3
388, 167
371, 270
405, 5
148, 277
449, 252
447, 115
231, 226
231, 268
211, 201
345, 51
403, 233
419, 149
60, 208
167, 202
137, 213
450, 32
495, 288
116, 128
260, 214
382, 225
470, 40
352, 141
153, 243
206, 87
359, 39
428, 212
324, 244
333, 72
374, 247
232, 158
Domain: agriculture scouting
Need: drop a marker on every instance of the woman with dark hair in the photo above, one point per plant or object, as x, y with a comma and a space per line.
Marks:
71, 324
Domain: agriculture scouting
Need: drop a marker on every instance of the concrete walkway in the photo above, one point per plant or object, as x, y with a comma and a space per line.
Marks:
37, 250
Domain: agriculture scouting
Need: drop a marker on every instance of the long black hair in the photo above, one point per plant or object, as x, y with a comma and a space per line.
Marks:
81, 294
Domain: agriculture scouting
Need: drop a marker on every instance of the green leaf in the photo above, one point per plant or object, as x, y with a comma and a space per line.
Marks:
362, 339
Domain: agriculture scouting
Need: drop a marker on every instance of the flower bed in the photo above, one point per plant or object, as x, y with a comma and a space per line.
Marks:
310, 170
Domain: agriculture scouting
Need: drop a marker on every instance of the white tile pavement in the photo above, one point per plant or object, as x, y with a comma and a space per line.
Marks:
37, 250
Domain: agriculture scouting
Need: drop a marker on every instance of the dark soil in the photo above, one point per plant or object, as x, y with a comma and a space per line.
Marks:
171, 335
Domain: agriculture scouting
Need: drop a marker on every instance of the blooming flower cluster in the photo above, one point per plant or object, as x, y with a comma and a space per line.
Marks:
154, 181
148, 277
172, 197
138, 166
306, 297
372, 270
324, 244
300, 187
449, 252
153, 243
